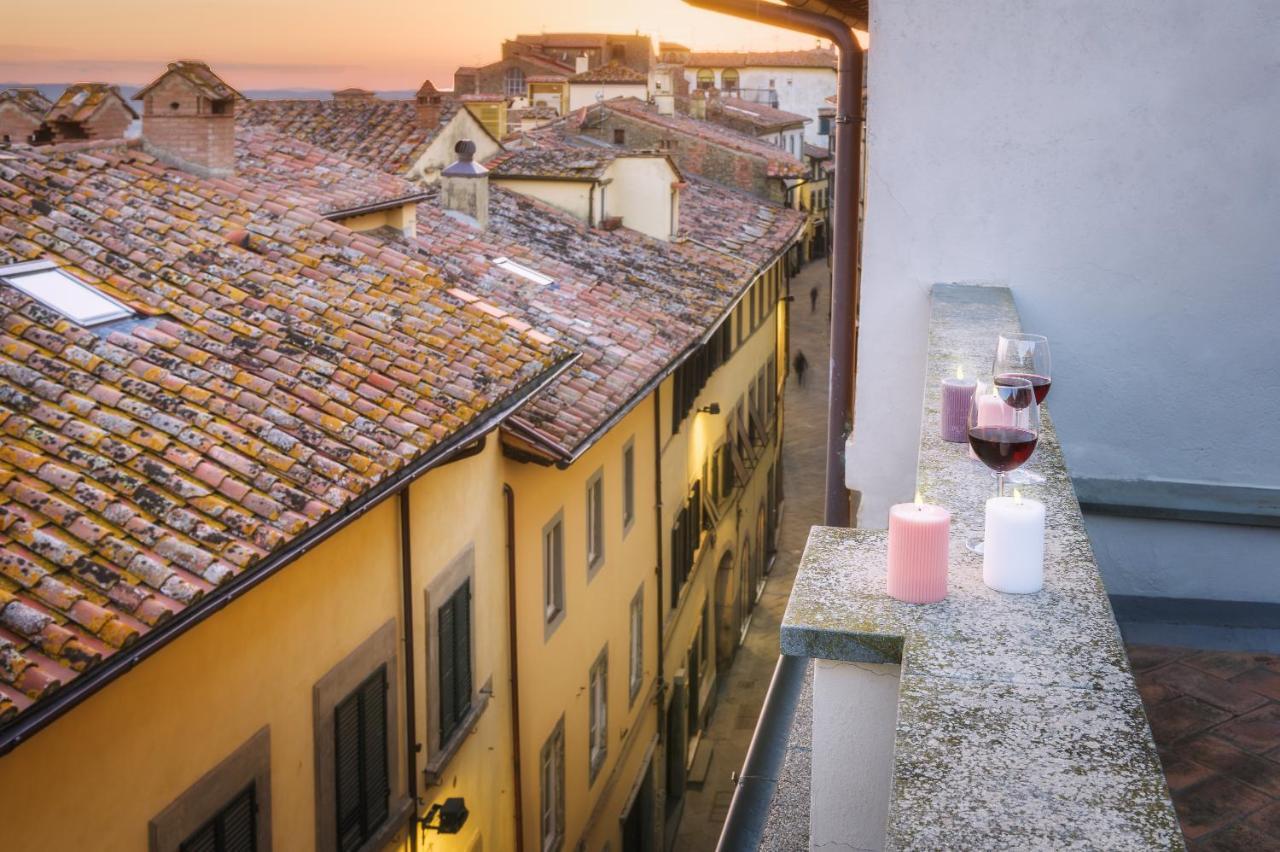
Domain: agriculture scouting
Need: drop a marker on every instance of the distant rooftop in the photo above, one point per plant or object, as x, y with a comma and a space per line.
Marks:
816, 58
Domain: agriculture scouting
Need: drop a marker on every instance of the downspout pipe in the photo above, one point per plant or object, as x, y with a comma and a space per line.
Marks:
513, 652
410, 702
844, 285
749, 810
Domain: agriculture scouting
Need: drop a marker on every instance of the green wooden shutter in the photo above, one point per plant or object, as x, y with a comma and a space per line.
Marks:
346, 737
237, 824
462, 645
447, 639
377, 784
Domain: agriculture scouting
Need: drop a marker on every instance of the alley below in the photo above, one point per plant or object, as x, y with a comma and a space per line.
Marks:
742, 691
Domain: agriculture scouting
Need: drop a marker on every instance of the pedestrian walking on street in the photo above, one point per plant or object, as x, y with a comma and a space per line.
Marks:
813, 299
801, 364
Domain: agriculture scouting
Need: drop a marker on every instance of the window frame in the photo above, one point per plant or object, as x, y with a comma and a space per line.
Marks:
635, 646
451, 721
598, 715
553, 591
514, 83
551, 803
249, 765
628, 485
595, 523
380, 649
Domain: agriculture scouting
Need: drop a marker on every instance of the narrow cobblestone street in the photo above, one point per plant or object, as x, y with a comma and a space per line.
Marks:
742, 691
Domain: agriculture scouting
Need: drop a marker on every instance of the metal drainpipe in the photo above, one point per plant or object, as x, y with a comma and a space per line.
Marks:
844, 283
410, 702
513, 652
659, 610
749, 810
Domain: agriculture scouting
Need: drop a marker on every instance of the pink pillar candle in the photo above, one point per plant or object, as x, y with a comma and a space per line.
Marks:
992, 411
957, 393
919, 535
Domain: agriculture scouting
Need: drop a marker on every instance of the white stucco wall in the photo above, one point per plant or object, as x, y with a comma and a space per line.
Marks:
440, 153
640, 192
800, 90
1116, 165
587, 94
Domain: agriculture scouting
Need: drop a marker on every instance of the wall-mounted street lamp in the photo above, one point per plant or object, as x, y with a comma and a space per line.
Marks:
713, 408
452, 816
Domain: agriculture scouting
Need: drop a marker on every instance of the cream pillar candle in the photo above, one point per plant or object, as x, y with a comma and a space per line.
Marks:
1013, 545
918, 552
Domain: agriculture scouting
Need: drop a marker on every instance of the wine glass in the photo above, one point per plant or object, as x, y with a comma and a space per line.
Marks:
1004, 425
1024, 356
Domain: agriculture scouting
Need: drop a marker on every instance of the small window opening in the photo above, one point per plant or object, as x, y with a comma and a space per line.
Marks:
64, 293
523, 271
174, 105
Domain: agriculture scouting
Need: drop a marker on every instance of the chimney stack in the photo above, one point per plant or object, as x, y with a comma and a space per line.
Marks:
464, 186
189, 121
698, 104
581, 64
429, 106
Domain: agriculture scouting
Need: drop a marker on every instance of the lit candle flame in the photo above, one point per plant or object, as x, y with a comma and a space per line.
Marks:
919, 501
1017, 496
959, 371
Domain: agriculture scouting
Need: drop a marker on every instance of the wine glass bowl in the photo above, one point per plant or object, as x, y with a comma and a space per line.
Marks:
1004, 424
1024, 356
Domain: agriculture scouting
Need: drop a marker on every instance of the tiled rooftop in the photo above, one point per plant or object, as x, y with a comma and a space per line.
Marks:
81, 100
552, 161
283, 366
200, 76
768, 59
761, 115
319, 179
629, 303
380, 134
30, 100
613, 72
735, 222
780, 163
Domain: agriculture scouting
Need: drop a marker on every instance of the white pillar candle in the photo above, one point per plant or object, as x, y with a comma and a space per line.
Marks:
1013, 545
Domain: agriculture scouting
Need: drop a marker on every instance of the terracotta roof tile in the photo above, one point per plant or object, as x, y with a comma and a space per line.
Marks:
81, 100
380, 134
143, 465
761, 116
31, 101
612, 72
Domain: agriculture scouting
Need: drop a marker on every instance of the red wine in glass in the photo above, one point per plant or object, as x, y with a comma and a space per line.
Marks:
1039, 384
1002, 448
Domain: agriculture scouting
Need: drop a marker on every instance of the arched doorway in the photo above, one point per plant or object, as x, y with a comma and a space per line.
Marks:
726, 613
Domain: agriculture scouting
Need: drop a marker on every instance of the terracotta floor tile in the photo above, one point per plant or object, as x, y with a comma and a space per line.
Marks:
1236, 838
1214, 803
1143, 657
1154, 693
1181, 772
1261, 680
1267, 821
1258, 731
1181, 717
1224, 694
1224, 664
1221, 756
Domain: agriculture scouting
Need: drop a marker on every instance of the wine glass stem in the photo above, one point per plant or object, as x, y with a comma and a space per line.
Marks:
1000, 484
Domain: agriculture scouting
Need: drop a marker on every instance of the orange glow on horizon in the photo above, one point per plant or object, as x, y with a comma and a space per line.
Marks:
324, 44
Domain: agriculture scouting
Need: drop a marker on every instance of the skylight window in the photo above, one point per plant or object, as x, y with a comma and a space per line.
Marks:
523, 271
64, 293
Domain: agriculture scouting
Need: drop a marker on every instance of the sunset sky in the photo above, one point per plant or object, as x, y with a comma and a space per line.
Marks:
377, 44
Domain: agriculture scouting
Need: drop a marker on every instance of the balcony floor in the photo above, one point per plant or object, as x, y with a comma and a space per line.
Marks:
1216, 720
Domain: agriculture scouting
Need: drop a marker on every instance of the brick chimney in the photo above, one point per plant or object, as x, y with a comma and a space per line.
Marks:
464, 186
188, 119
429, 104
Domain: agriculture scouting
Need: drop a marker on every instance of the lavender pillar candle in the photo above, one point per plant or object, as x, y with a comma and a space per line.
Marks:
957, 393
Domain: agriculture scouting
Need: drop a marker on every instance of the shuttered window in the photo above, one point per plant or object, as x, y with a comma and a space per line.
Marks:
595, 521
628, 485
232, 829
553, 569
551, 781
598, 715
686, 538
362, 788
454, 628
